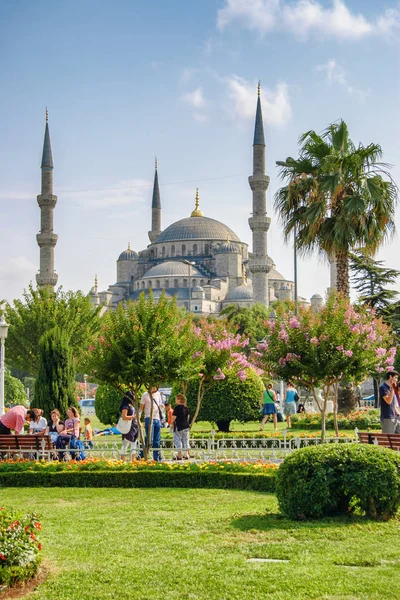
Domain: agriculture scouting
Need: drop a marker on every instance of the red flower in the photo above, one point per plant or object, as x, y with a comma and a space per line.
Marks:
2, 557
39, 546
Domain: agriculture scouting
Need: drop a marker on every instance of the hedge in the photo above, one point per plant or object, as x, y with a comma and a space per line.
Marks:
362, 419
263, 482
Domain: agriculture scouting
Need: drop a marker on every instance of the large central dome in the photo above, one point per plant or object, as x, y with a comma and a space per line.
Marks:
197, 228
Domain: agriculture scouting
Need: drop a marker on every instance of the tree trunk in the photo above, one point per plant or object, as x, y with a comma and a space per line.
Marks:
376, 393
223, 425
200, 394
342, 265
335, 391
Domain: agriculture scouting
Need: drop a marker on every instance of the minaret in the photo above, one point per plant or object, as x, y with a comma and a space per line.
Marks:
155, 209
46, 238
259, 263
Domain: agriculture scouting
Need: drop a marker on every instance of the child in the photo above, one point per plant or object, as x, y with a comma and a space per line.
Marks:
88, 434
168, 414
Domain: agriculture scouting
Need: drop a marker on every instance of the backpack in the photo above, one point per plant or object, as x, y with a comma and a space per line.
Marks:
75, 444
296, 397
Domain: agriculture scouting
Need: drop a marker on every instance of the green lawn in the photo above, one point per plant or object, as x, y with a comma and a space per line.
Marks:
194, 544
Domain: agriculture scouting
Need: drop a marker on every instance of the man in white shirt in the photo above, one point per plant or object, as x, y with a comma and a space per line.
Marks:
145, 405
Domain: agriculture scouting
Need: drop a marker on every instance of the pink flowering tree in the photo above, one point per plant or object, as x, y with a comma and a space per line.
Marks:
319, 349
221, 350
144, 344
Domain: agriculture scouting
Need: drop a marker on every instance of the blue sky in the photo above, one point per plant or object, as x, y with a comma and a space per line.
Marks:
127, 80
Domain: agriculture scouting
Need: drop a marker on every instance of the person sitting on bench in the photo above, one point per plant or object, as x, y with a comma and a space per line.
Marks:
15, 419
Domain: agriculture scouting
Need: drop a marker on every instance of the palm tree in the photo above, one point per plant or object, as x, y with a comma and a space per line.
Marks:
337, 197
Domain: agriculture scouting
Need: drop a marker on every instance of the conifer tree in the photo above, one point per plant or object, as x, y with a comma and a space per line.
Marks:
55, 384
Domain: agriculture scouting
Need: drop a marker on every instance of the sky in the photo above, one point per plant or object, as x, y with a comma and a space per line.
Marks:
128, 80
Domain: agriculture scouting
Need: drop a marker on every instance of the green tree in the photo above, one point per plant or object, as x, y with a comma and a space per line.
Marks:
41, 310
14, 391
230, 399
107, 403
55, 384
336, 197
321, 348
144, 343
247, 321
370, 279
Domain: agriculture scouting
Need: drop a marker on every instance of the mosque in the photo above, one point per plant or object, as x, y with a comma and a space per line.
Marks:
197, 259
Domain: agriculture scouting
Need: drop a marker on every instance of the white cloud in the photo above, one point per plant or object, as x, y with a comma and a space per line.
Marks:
200, 117
335, 74
124, 193
306, 17
275, 103
195, 98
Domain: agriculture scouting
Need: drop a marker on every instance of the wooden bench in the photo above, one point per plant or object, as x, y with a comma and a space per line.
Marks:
388, 440
26, 446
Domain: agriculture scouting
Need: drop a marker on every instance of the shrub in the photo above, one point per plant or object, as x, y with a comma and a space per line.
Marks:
14, 391
229, 399
337, 478
107, 403
361, 418
19, 547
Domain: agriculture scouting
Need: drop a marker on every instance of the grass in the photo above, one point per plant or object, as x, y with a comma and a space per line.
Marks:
180, 544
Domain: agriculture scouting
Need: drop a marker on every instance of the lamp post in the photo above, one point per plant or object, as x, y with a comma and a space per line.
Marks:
3, 334
295, 269
85, 380
189, 263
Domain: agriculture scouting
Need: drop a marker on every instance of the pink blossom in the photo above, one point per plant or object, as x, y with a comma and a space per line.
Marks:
314, 341
242, 375
197, 354
380, 370
262, 345
91, 348
348, 353
283, 335
219, 375
380, 352
339, 348
323, 337
294, 323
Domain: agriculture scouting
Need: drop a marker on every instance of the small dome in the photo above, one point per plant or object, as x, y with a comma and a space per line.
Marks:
226, 248
172, 268
128, 254
316, 297
241, 293
197, 288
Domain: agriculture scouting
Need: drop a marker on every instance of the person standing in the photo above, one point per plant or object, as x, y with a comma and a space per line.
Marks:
128, 414
289, 402
390, 421
180, 421
15, 419
268, 399
155, 434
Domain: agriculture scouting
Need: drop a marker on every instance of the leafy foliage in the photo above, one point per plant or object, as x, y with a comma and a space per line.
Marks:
247, 321
362, 419
336, 197
107, 403
229, 399
334, 479
55, 384
41, 310
14, 391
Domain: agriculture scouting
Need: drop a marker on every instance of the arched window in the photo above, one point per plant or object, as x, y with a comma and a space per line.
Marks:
149, 284
201, 282
207, 249
194, 249
151, 254
138, 285
176, 283
185, 283
183, 249
163, 251
158, 283
172, 250
156, 252
143, 285
166, 284
194, 282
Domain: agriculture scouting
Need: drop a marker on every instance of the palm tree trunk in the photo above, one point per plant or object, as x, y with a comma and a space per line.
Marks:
342, 265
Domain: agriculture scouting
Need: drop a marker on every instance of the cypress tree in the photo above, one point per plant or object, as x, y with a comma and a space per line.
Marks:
55, 384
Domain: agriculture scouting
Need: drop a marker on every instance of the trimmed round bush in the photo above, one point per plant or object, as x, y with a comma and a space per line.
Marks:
334, 479
107, 404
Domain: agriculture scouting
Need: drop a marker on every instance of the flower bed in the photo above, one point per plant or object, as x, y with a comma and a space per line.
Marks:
114, 473
364, 418
19, 547
237, 435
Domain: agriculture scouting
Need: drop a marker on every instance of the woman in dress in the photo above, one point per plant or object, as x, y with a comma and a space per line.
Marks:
268, 405
128, 414
289, 402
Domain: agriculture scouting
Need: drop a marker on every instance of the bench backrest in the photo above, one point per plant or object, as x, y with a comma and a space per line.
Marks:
389, 440
25, 442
